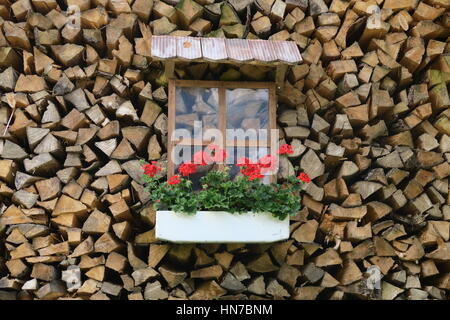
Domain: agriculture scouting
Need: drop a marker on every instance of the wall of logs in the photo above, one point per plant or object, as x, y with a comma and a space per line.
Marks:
367, 114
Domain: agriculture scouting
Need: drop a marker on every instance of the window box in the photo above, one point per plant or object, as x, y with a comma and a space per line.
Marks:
220, 227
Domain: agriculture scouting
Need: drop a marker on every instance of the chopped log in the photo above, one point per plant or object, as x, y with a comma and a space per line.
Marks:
8, 169
306, 232
51, 291
261, 264
68, 54
366, 115
107, 243
153, 291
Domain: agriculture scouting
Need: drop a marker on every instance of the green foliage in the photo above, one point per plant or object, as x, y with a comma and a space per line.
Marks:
220, 193
179, 197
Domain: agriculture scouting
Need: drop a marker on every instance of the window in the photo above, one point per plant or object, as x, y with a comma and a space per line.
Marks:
240, 114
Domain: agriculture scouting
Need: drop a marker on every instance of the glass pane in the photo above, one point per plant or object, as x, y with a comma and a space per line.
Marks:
247, 109
197, 109
196, 104
253, 153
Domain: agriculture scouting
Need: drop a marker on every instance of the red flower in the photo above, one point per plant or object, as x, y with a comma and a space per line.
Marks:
219, 154
151, 169
268, 163
187, 168
243, 162
304, 177
285, 149
252, 171
174, 180
255, 176
202, 158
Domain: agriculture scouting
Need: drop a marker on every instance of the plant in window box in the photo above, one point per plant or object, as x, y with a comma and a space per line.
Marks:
243, 209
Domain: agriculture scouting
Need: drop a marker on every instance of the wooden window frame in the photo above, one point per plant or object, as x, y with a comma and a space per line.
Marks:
221, 86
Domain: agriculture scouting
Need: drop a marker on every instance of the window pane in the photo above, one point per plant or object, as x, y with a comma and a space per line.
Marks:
247, 109
247, 118
196, 104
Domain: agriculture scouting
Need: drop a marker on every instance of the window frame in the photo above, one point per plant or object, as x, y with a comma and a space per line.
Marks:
222, 113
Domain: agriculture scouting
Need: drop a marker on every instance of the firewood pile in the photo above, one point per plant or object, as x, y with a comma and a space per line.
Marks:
367, 115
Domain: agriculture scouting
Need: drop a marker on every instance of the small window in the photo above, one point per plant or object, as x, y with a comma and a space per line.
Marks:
241, 114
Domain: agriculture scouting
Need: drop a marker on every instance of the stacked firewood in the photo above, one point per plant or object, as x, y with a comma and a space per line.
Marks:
367, 115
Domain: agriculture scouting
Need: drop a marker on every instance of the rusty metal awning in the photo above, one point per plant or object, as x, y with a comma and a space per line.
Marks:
225, 50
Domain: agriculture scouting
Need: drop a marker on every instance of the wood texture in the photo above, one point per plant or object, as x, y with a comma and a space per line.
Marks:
366, 113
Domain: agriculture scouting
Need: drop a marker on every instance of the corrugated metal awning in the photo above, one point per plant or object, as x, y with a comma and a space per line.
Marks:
225, 50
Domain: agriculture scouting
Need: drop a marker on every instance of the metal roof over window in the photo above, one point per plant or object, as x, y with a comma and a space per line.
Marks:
225, 50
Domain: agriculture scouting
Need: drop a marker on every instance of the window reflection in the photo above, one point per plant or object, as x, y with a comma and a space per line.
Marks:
247, 124
247, 108
196, 104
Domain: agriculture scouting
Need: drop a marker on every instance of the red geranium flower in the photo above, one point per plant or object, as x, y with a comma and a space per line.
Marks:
187, 168
304, 177
219, 155
249, 169
265, 162
151, 169
252, 171
268, 163
243, 162
202, 158
255, 176
285, 149
174, 180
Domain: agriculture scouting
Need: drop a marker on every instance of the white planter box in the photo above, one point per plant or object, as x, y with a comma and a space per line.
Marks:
220, 227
